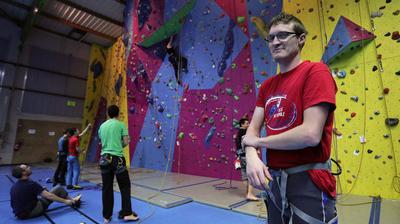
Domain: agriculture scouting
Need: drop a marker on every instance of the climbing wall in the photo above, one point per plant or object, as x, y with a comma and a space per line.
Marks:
190, 128
109, 87
94, 102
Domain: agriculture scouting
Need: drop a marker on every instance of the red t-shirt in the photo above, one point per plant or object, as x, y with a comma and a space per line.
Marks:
284, 98
72, 144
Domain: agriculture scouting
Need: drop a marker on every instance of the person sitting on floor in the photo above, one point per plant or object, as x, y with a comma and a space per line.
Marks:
24, 195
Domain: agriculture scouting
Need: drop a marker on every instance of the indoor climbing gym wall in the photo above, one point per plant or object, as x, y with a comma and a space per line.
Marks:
93, 100
189, 127
185, 120
105, 86
362, 50
358, 40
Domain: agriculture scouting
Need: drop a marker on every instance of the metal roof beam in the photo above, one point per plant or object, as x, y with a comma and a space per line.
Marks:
69, 23
89, 11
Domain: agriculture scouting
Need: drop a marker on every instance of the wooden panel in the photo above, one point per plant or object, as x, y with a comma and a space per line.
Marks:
40, 145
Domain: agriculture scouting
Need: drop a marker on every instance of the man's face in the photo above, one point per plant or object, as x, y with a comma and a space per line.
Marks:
245, 124
27, 169
283, 42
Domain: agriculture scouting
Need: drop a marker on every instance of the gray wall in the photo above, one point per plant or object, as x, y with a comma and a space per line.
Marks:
47, 92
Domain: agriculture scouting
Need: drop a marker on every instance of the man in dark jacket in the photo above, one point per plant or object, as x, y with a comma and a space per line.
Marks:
24, 195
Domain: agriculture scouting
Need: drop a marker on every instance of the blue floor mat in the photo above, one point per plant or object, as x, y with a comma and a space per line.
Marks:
8, 217
6, 185
91, 209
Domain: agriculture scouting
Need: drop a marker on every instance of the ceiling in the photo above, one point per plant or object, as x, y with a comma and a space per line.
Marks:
87, 21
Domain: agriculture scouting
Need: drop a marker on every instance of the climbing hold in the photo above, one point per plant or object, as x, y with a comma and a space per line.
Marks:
181, 135
160, 108
363, 140
369, 151
354, 98
169, 115
235, 97
132, 110
376, 14
377, 112
386, 90
353, 114
211, 120
341, 74
229, 91
374, 68
221, 80
209, 135
391, 122
241, 19
150, 100
337, 132
343, 92
395, 35
397, 73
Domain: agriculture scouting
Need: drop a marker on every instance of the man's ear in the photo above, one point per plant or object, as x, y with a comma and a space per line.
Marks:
302, 40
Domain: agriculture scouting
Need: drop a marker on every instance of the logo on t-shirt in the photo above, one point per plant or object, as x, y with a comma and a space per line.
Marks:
280, 113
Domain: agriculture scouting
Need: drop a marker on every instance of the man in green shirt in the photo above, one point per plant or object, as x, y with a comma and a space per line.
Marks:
114, 137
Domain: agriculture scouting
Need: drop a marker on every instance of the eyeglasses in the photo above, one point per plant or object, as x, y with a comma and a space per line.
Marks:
283, 35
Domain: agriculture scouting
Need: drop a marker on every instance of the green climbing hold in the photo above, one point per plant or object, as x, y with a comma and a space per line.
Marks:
181, 135
229, 91
241, 19
221, 80
170, 27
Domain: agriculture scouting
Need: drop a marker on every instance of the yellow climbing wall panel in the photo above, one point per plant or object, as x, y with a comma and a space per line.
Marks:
368, 150
114, 71
93, 93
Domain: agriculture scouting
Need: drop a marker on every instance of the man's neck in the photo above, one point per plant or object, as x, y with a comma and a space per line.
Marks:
24, 178
289, 65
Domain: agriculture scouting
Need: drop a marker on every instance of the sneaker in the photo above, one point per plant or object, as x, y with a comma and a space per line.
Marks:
77, 200
77, 187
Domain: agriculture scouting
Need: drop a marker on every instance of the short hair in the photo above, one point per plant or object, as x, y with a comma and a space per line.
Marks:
241, 122
71, 131
286, 18
17, 172
113, 111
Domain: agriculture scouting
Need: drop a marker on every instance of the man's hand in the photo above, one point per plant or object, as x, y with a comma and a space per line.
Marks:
69, 202
257, 172
250, 141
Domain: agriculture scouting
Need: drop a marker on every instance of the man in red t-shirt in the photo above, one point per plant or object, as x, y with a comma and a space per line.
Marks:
297, 107
74, 170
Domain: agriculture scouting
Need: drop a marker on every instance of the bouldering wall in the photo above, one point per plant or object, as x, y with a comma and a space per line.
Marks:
190, 127
368, 94
106, 86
